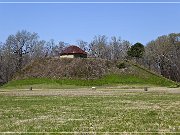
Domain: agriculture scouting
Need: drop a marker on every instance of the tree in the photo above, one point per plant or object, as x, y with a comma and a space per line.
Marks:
39, 50
163, 54
8, 64
19, 50
1, 65
137, 50
21, 44
83, 45
49, 48
118, 48
98, 47
115, 49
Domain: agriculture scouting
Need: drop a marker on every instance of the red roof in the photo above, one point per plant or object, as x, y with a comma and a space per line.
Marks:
73, 50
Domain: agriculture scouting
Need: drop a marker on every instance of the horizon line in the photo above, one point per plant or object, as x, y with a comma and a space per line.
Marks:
88, 2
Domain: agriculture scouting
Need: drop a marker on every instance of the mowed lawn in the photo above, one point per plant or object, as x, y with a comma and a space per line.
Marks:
100, 111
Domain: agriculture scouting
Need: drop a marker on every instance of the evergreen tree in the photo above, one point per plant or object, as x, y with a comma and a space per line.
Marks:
137, 50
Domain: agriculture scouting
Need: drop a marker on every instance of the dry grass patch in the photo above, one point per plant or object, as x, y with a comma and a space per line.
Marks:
84, 110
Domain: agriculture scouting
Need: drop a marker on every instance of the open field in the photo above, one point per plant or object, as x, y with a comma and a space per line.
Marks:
105, 110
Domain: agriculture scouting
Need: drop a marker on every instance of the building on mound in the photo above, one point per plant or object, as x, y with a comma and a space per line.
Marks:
73, 52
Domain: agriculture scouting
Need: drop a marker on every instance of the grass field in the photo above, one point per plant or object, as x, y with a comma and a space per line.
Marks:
105, 110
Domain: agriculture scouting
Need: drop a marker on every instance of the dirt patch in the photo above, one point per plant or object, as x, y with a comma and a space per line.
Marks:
86, 91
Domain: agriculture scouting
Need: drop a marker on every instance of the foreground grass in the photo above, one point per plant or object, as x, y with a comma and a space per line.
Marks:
113, 79
124, 112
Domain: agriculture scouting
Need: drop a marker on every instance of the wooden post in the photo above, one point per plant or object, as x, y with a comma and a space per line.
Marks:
145, 89
30, 88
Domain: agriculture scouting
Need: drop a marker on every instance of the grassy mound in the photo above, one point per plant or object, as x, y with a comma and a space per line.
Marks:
109, 80
67, 73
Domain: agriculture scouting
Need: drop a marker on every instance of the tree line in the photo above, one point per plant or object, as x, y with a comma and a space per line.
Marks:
161, 55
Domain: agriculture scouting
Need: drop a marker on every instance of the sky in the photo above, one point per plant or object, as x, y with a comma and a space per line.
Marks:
135, 22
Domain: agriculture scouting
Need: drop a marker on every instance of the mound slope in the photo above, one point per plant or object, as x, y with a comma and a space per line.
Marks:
54, 73
67, 68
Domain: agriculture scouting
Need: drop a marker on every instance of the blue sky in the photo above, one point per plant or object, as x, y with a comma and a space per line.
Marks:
72, 22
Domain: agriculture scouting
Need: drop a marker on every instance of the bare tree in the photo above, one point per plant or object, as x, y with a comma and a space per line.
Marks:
98, 47
115, 49
162, 55
1, 65
119, 48
17, 51
21, 44
49, 48
83, 45
8, 63
39, 50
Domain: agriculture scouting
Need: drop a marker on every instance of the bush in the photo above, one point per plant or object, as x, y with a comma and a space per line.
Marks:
121, 65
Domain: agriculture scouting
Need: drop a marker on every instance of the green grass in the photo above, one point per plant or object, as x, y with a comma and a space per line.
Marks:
126, 112
109, 80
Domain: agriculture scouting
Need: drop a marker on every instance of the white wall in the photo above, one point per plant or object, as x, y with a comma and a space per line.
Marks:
67, 56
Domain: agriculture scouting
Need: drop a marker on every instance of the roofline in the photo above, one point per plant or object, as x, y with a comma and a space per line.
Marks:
72, 53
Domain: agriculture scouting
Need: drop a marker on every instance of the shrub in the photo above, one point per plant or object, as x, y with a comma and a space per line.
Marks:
121, 65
